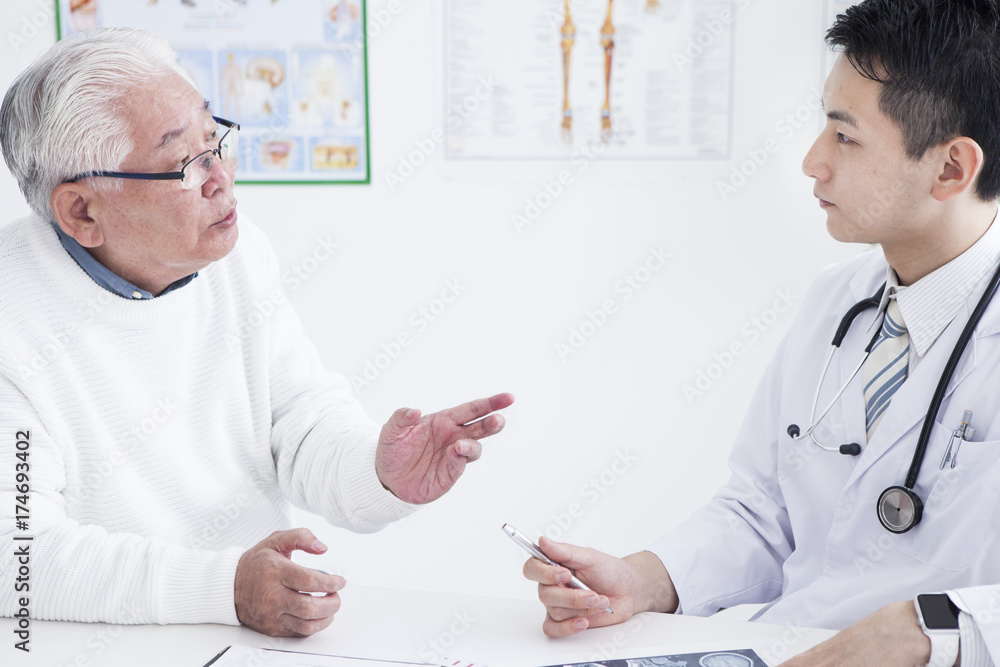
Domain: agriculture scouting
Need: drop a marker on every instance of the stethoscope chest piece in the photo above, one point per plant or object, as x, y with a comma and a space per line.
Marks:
899, 509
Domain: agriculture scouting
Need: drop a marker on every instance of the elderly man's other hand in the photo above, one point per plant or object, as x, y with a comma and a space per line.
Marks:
420, 458
891, 637
273, 593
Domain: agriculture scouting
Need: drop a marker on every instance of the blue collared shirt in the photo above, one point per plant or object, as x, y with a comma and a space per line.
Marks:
107, 278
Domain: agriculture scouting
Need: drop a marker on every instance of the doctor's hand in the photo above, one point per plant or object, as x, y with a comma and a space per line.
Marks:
891, 637
420, 458
629, 585
272, 593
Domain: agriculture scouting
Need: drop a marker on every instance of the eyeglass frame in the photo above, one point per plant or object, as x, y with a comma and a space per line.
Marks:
168, 175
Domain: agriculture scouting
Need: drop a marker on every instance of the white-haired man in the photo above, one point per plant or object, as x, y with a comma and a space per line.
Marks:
153, 449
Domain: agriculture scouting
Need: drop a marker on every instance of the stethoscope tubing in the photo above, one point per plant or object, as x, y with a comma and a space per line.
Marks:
838, 338
946, 376
899, 507
812, 417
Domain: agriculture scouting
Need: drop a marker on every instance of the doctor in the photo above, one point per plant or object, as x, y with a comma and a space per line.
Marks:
909, 159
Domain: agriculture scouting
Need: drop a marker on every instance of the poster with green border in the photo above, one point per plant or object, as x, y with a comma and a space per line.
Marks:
292, 73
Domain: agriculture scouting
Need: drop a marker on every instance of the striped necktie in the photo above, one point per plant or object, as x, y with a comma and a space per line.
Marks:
885, 368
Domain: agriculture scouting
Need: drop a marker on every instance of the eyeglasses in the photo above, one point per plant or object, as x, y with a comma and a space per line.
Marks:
196, 171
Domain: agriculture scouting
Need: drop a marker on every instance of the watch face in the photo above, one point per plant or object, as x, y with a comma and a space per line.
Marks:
939, 612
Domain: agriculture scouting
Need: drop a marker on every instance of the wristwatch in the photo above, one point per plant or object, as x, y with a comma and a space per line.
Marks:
938, 618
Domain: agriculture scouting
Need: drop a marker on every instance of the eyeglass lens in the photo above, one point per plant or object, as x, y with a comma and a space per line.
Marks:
197, 171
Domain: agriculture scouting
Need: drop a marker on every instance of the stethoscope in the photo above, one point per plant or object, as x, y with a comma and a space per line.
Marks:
899, 508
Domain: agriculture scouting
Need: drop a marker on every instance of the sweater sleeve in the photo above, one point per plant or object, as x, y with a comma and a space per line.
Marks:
322, 441
72, 571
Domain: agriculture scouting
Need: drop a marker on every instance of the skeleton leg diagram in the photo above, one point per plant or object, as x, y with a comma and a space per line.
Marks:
608, 42
568, 37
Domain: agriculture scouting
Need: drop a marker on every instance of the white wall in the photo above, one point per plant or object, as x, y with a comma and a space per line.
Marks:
622, 393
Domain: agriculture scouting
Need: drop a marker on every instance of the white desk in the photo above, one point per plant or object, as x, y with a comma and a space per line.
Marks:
406, 625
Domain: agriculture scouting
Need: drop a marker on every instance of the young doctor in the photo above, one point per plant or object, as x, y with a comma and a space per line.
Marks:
878, 515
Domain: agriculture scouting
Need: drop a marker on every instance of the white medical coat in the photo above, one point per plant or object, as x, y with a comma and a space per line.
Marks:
798, 526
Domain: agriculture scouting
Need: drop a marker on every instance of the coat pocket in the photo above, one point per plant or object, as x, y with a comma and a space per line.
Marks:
959, 504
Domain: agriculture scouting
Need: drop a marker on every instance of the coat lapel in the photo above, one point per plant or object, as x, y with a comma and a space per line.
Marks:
905, 414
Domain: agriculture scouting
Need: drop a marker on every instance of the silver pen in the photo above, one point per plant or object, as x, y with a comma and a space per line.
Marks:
963, 432
532, 548
966, 437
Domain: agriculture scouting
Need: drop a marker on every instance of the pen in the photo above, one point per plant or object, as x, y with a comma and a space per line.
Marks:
532, 548
963, 432
966, 437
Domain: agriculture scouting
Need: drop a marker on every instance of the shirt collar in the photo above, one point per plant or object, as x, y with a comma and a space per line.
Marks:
929, 305
107, 278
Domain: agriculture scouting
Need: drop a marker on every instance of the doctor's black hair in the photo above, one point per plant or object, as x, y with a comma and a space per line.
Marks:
939, 64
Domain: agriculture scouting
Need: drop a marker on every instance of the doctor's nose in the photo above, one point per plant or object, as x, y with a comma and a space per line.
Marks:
814, 165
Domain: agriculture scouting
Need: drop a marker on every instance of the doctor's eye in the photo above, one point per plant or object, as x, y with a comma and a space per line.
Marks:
844, 139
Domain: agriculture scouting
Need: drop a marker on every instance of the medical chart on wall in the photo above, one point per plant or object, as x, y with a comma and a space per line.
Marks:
541, 79
292, 73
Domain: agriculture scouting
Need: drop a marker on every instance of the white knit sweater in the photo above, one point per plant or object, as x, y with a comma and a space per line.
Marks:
167, 436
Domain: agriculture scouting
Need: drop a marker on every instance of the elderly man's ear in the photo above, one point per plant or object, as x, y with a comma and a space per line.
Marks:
71, 203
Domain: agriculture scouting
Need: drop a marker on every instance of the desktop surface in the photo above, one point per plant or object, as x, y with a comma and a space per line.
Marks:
408, 626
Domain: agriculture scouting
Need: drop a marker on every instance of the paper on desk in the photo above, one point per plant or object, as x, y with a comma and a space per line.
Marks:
734, 658
249, 656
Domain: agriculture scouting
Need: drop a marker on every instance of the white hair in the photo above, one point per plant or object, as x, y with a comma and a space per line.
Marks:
63, 115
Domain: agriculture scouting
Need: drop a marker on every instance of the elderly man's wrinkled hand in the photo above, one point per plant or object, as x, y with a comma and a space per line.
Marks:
419, 458
274, 596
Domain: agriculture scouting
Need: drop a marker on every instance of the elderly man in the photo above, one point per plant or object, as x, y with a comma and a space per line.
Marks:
160, 421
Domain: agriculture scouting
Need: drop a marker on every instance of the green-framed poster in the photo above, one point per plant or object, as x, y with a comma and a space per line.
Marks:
292, 73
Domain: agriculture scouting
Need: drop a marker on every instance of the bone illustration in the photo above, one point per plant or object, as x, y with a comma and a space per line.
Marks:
608, 42
568, 38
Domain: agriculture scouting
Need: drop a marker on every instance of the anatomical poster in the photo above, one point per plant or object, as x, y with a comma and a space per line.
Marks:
543, 79
292, 73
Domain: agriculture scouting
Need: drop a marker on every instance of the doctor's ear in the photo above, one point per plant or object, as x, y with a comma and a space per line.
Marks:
71, 206
959, 163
